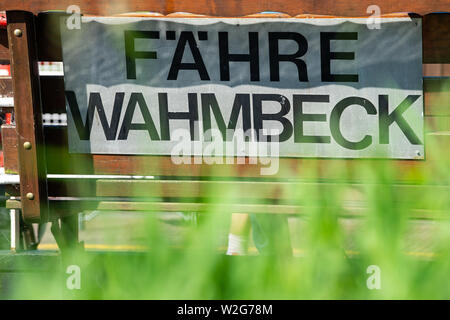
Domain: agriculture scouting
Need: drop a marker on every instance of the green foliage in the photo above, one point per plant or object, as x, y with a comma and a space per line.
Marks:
325, 269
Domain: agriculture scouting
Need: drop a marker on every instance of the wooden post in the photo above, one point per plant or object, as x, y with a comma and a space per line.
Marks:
28, 115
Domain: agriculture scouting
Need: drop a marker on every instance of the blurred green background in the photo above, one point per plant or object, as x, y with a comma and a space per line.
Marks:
173, 256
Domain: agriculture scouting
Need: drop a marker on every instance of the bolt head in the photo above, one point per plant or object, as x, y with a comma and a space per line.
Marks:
30, 196
27, 145
18, 32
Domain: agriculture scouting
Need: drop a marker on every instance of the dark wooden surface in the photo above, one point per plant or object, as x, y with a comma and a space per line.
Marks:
6, 89
289, 168
52, 95
436, 37
28, 115
231, 7
435, 33
4, 48
10, 152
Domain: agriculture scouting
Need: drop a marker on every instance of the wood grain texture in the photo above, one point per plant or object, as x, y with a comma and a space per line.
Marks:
436, 37
231, 7
435, 34
10, 152
60, 161
28, 115
6, 89
4, 47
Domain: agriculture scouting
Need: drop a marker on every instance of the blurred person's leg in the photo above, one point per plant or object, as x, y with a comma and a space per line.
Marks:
271, 234
239, 232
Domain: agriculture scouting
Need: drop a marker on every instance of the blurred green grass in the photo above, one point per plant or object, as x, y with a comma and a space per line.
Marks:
325, 269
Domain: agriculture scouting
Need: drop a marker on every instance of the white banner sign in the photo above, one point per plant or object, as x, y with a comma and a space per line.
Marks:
206, 86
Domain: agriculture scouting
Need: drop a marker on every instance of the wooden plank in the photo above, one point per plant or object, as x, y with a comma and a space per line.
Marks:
435, 33
59, 161
436, 37
436, 69
10, 152
353, 210
196, 207
4, 47
63, 207
28, 115
309, 169
249, 191
13, 204
230, 7
231, 190
49, 36
242, 192
60, 207
437, 96
6, 89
